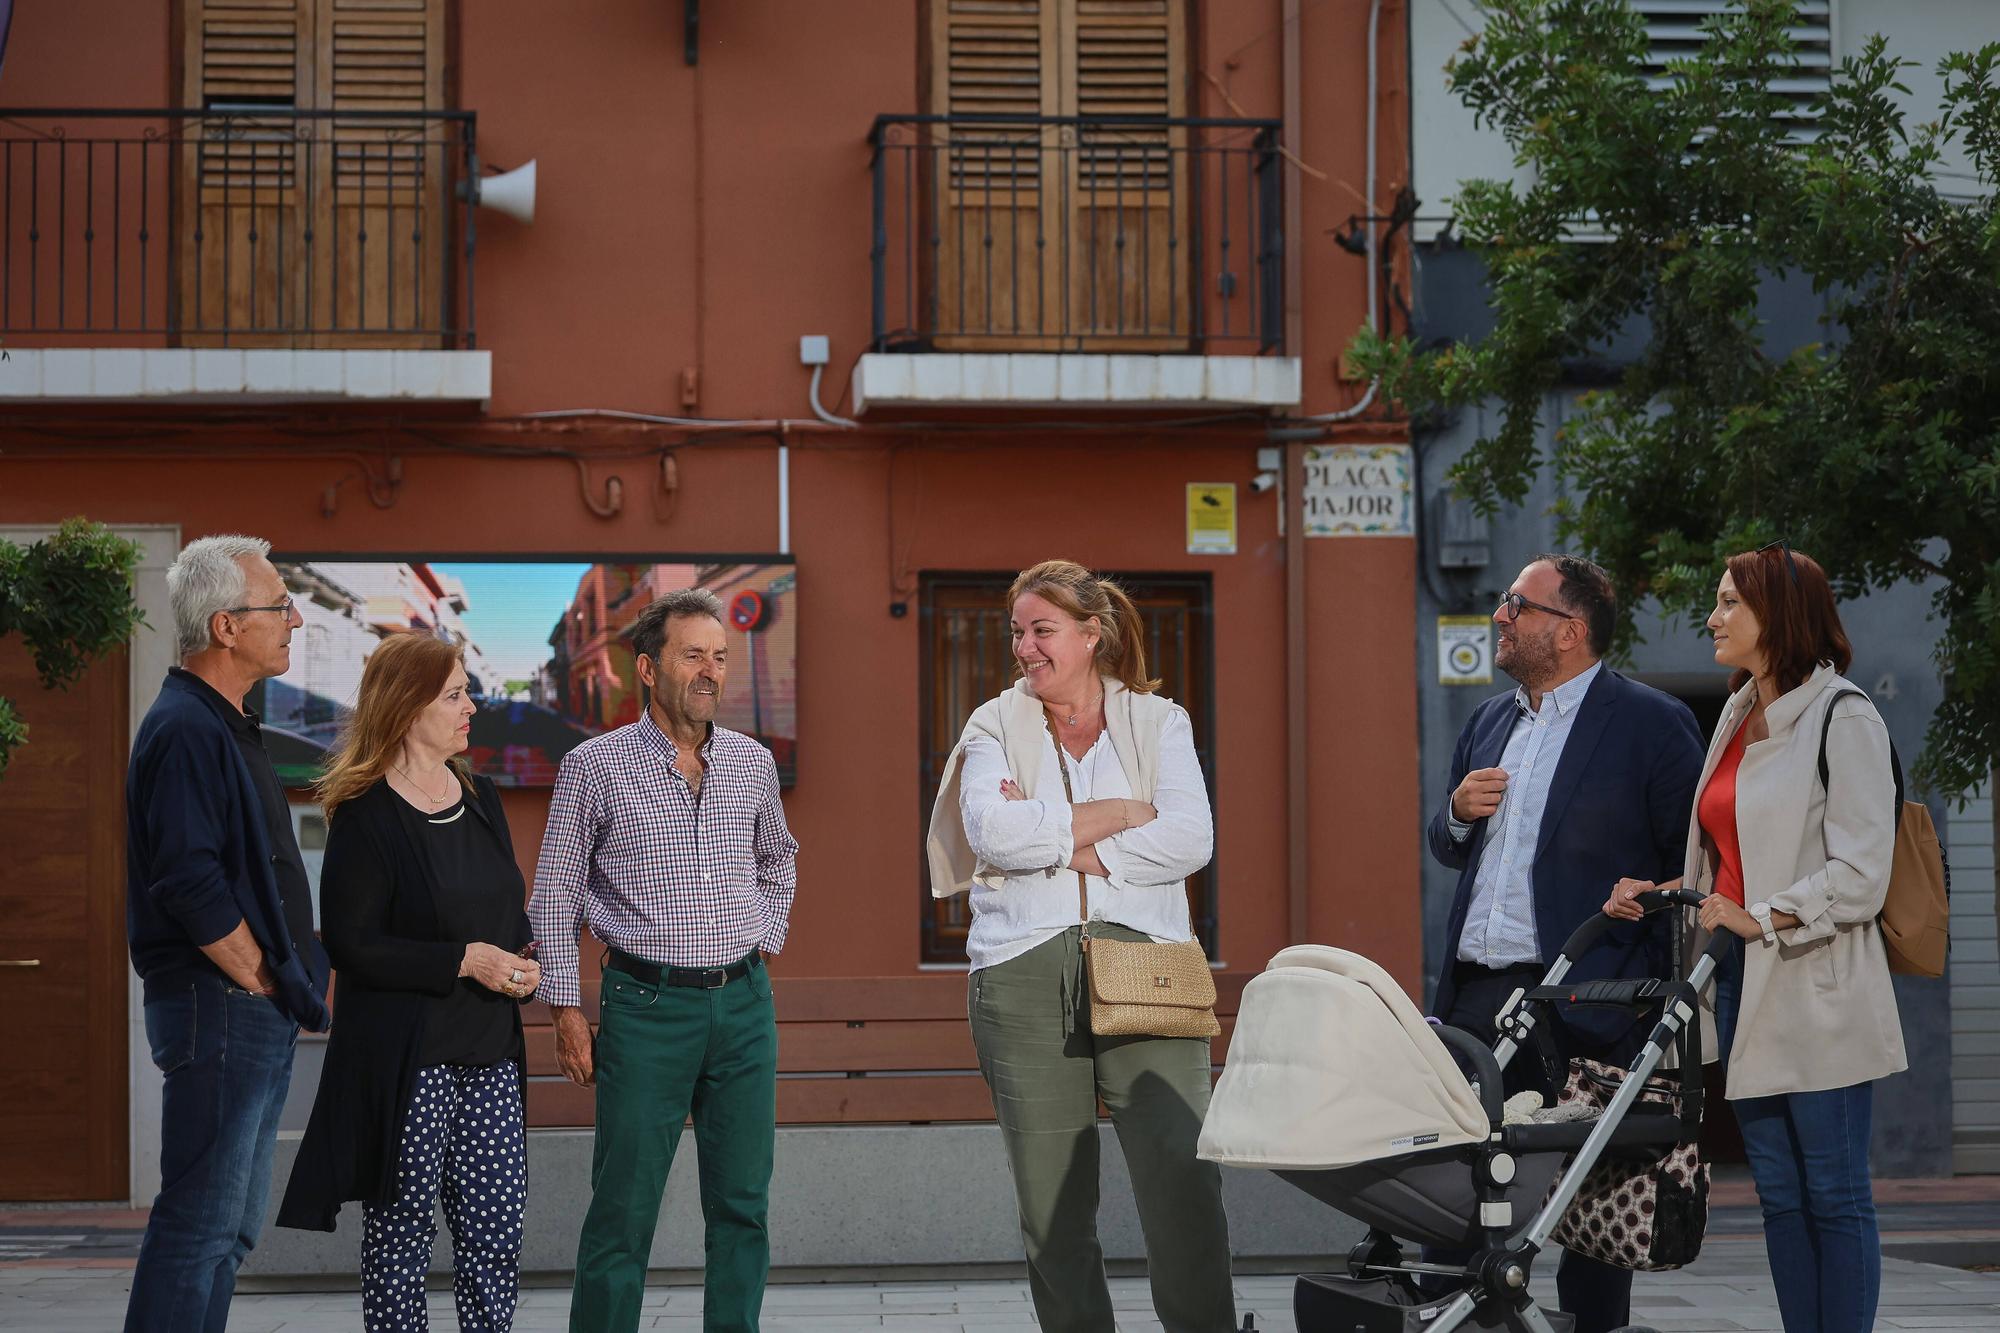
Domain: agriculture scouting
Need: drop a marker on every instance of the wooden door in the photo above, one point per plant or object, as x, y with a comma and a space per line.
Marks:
996, 227
383, 210
1128, 185
1058, 236
243, 202
314, 232
63, 967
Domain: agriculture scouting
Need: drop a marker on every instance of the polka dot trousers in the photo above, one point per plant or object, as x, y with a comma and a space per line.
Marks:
462, 1144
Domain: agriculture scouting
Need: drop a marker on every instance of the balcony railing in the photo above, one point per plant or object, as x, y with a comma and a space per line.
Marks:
241, 226
1077, 233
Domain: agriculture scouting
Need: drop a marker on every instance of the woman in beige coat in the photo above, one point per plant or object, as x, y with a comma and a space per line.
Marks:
1797, 870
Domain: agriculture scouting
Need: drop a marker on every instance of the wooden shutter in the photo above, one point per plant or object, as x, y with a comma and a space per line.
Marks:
314, 232
989, 183
240, 213
385, 211
1047, 236
1130, 185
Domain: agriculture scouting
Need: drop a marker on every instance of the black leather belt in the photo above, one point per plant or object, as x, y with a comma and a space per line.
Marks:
704, 978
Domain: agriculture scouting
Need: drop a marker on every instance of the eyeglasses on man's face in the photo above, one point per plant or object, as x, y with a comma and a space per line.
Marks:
285, 608
1513, 604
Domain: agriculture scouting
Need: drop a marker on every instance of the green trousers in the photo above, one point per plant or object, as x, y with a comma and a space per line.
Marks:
665, 1053
1031, 1024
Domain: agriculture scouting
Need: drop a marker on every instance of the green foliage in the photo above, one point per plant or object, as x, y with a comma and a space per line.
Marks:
70, 599
1877, 448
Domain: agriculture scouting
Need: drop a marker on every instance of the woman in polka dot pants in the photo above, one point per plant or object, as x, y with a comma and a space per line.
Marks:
421, 1097
462, 1141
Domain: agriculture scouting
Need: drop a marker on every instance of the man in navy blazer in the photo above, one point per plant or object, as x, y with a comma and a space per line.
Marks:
1561, 788
218, 913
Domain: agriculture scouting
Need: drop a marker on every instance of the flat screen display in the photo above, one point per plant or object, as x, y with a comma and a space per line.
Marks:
547, 644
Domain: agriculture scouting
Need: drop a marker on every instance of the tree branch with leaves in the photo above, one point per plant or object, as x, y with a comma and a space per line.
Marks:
1664, 213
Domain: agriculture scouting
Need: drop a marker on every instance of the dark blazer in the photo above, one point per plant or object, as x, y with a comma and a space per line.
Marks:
379, 918
198, 857
1618, 806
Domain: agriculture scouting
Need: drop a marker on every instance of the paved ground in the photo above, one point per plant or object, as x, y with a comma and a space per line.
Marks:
69, 1269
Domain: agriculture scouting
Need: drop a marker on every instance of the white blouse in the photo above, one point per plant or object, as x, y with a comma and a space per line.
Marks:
1031, 841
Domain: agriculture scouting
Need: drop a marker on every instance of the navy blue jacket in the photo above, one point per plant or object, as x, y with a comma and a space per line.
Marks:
1618, 806
198, 859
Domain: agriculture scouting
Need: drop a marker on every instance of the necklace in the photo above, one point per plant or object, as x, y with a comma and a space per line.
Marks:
434, 800
1070, 721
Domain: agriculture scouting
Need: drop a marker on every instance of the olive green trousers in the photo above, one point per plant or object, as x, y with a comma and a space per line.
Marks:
1047, 1072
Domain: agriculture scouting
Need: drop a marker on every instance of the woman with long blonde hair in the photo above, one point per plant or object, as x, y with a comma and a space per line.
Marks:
1083, 767
421, 909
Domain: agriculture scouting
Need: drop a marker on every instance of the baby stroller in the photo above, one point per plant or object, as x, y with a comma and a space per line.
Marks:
1337, 1083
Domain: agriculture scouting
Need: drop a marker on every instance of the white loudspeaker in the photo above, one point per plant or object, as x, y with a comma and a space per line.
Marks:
510, 192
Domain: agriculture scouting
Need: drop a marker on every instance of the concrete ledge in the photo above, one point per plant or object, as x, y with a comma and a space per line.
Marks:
842, 1197
1035, 379
234, 375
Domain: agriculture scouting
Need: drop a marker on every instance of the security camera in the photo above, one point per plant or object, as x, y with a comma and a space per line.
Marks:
1263, 481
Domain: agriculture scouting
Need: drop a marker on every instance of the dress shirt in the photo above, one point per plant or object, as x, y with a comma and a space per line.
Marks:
1500, 922
1148, 866
656, 868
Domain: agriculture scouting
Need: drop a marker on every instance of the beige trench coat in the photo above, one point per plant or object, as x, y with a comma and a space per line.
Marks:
1818, 1010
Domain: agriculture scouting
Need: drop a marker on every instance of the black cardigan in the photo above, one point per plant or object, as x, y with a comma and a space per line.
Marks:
378, 917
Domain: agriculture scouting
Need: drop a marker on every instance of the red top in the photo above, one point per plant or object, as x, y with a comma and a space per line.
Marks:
1717, 812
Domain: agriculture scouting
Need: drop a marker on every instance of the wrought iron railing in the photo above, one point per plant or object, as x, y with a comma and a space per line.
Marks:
1072, 233
238, 226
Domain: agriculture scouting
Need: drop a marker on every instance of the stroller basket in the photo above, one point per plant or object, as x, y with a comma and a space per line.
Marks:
1389, 1305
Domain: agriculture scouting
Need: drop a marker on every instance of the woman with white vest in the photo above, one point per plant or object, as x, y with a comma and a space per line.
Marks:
1082, 769
1797, 870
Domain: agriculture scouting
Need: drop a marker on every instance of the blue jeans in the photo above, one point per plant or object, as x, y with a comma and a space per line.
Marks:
1808, 1153
227, 1057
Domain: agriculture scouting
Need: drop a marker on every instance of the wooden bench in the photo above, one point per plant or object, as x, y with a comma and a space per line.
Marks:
851, 1050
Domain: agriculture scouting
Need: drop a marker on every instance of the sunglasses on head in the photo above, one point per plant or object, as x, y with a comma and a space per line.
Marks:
1791, 565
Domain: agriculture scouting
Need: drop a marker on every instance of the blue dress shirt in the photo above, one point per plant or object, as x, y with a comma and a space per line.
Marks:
1500, 922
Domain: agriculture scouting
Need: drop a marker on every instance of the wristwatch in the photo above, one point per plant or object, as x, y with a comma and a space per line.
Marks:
1761, 914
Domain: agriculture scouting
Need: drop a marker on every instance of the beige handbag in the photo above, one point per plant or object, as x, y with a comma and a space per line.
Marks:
1142, 988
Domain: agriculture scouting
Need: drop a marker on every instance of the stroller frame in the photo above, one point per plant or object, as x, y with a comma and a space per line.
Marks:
1495, 1293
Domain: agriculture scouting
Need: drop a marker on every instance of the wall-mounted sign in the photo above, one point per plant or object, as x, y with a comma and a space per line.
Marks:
1360, 490
1211, 518
1465, 650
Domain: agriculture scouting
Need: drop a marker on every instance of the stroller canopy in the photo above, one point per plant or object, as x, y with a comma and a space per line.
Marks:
1331, 1065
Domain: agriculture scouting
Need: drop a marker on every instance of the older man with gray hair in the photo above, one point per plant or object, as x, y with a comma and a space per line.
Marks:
219, 916
668, 839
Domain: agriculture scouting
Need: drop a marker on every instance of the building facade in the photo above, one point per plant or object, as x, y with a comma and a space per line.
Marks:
846, 310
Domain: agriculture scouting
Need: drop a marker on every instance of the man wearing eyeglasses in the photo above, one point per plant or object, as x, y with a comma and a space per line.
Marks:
1560, 788
219, 916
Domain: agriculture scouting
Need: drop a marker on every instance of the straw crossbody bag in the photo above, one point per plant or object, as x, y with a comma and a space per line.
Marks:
1141, 988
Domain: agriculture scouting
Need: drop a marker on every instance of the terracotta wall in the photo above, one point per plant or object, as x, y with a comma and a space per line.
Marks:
706, 218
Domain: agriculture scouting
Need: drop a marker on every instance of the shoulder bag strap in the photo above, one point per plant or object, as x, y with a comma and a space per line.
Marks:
1895, 760
1062, 766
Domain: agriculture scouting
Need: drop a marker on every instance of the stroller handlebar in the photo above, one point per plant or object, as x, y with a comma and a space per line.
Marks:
1657, 900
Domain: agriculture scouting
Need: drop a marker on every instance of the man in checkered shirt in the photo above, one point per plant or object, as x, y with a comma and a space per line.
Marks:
667, 839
